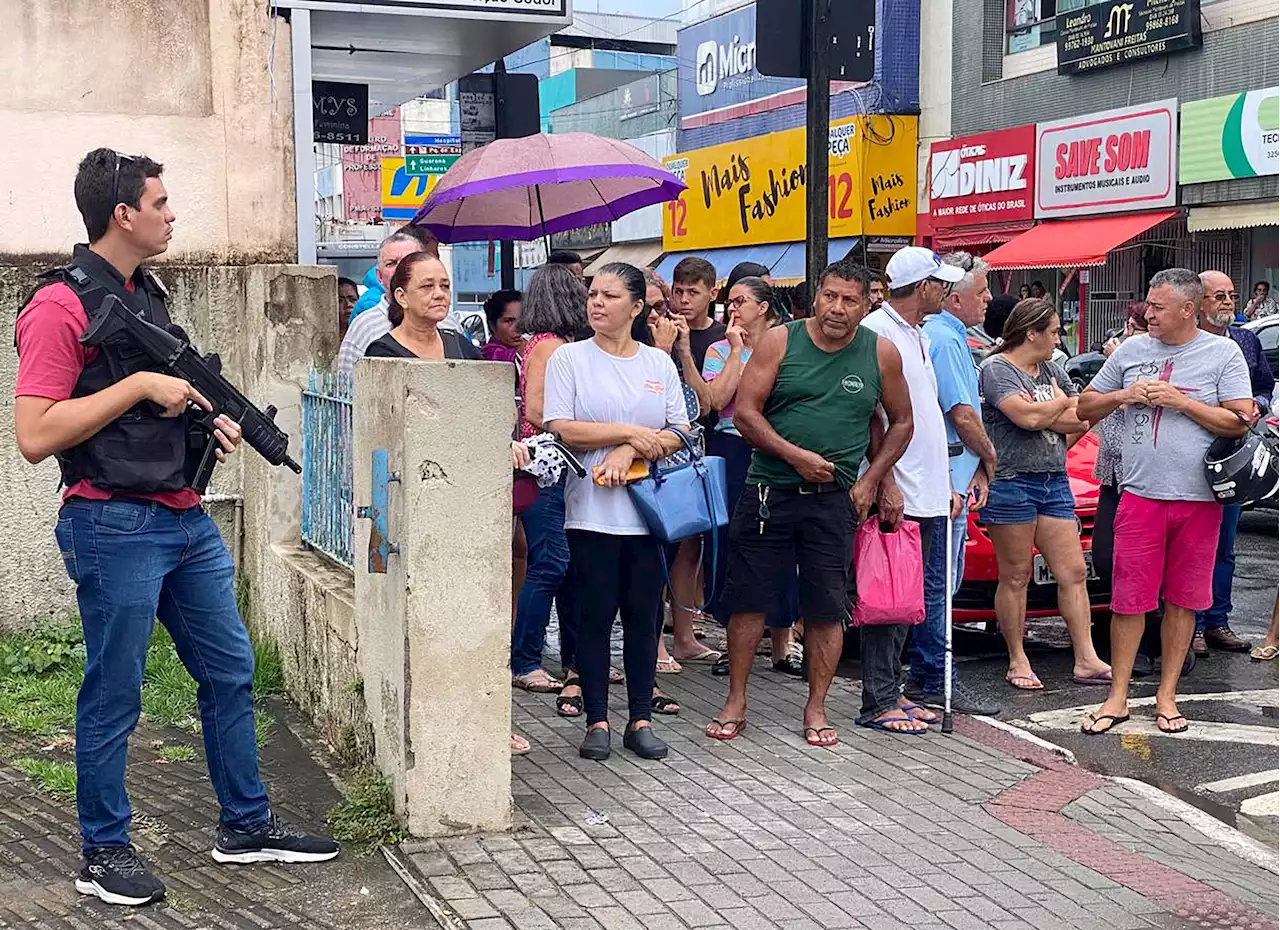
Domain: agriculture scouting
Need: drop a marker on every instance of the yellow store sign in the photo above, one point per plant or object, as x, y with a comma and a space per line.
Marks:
403, 193
753, 191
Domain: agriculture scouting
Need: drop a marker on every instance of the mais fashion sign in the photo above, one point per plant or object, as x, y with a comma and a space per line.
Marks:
753, 192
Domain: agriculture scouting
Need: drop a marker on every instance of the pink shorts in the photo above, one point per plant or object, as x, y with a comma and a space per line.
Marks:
1163, 549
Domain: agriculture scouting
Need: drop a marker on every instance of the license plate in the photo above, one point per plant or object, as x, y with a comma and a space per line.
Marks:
1044, 576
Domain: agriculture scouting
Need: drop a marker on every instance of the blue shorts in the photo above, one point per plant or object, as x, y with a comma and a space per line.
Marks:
1024, 497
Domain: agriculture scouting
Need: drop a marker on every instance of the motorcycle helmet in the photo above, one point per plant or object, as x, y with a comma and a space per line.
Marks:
1244, 470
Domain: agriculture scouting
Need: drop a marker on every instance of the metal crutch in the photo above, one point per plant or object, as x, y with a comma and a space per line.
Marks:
946, 669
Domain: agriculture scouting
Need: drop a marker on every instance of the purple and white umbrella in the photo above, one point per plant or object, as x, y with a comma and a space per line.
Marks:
525, 189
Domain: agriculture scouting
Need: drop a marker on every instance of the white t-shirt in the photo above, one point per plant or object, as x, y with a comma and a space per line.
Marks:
923, 473
588, 384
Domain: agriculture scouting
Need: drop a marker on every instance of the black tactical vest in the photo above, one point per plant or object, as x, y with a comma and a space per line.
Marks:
141, 452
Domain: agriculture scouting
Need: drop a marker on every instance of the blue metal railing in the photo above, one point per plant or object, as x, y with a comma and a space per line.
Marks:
327, 448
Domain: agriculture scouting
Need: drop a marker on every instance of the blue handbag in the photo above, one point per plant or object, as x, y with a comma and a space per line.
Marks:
687, 499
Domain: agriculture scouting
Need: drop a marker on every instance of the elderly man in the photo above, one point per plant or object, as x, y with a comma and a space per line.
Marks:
1180, 388
1217, 313
373, 324
918, 284
973, 465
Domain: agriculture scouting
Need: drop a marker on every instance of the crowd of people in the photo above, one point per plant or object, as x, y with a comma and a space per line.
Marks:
865, 402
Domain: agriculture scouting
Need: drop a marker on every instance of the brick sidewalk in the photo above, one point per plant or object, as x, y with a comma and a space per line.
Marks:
174, 816
973, 831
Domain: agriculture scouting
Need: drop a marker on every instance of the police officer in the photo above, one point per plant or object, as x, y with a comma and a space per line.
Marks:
133, 535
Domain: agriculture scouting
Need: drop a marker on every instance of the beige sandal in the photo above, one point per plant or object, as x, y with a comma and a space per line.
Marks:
537, 682
1264, 653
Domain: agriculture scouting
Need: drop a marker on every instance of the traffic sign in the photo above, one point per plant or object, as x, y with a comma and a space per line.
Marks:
428, 164
430, 154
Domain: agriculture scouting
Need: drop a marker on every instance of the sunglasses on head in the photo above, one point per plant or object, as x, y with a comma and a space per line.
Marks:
115, 178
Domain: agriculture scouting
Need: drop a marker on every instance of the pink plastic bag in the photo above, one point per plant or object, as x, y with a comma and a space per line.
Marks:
890, 575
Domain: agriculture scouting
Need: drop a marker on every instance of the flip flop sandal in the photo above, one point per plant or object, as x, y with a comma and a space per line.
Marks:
615, 676
662, 704
721, 666
1036, 683
817, 739
910, 709
668, 667
792, 665
519, 745
706, 655
1172, 730
1101, 678
724, 734
1264, 653
570, 706
537, 682
1112, 721
879, 723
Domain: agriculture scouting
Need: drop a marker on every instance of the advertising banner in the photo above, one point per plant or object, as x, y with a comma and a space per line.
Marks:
985, 178
753, 191
403, 193
362, 169
1236, 136
1112, 33
1117, 161
340, 112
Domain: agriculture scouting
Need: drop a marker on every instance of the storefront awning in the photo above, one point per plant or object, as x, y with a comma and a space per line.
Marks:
982, 234
640, 254
1232, 216
791, 267
1072, 243
725, 259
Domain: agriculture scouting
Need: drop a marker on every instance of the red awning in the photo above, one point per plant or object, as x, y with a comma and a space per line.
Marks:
1072, 243
982, 234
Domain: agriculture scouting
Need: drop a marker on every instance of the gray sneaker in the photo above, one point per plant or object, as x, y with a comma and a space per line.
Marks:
962, 700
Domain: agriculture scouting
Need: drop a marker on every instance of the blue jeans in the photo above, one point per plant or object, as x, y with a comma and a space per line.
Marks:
929, 639
133, 562
1224, 569
548, 563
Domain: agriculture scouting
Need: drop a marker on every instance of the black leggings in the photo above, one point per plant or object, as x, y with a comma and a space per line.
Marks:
616, 574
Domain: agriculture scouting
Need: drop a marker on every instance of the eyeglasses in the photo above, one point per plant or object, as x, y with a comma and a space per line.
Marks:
1222, 296
115, 179
737, 302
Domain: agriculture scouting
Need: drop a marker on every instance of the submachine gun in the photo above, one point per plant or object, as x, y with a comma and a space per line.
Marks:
176, 355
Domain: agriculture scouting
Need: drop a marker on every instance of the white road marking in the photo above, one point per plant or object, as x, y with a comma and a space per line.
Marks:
1068, 718
1031, 738
1241, 781
1264, 805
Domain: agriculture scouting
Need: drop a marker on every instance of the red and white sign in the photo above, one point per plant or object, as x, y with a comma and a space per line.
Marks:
1118, 161
362, 168
987, 178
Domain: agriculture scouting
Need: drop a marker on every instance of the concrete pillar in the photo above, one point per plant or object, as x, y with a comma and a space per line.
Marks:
435, 627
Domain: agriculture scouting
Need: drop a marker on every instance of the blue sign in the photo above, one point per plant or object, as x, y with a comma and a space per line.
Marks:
718, 64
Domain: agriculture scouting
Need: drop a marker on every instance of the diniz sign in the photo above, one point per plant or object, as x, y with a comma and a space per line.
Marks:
986, 178
1117, 161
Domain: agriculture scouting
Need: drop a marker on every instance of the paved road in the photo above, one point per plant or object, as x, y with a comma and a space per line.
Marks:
1226, 764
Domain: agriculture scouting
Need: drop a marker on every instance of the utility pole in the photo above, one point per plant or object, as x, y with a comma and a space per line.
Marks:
507, 249
817, 51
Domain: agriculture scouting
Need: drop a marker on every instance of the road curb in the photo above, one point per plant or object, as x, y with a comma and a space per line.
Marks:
1061, 752
438, 909
1235, 841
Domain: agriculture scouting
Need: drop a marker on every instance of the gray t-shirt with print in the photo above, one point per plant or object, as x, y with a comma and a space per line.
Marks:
1163, 450
1022, 451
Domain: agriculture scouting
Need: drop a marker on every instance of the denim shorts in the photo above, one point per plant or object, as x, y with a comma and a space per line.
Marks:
1024, 497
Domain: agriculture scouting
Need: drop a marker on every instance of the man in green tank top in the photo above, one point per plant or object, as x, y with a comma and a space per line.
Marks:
807, 404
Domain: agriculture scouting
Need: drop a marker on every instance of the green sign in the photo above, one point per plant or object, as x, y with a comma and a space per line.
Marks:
428, 164
1236, 136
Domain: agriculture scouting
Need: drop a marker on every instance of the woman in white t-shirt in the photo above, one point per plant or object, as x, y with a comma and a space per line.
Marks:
610, 398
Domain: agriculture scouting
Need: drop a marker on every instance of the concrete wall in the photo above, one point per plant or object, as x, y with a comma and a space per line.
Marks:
435, 627
202, 86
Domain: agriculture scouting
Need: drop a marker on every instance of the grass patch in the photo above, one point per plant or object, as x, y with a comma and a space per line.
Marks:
176, 753
263, 724
41, 672
365, 817
55, 778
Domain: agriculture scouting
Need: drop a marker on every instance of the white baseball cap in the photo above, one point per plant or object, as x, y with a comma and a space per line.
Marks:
912, 264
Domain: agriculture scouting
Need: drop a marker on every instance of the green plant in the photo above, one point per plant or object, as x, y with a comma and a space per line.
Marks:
357, 687
176, 753
365, 817
57, 645
168, 691
263, 724
56, 778
268, 668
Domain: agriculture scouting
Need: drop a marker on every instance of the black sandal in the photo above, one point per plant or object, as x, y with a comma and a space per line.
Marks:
662, 704
570, 705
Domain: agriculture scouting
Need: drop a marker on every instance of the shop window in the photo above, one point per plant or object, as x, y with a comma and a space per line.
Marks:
1032, 23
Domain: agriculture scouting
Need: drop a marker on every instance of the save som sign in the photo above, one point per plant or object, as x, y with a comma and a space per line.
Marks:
1118, 161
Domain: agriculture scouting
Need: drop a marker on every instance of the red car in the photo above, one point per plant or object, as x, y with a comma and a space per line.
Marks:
976, 599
